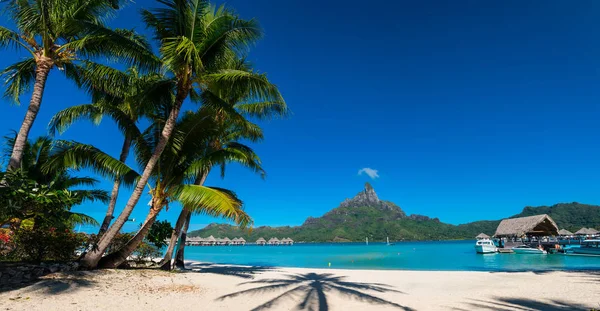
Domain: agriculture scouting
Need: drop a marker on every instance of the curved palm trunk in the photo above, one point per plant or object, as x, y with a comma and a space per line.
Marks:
166, 262
115, 259
179, 262
43, 64
91, 259
115, 191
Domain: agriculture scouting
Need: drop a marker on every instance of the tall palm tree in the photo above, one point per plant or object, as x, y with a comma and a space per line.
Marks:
61, 34
195, 40
231, 108
138, 98
221, 148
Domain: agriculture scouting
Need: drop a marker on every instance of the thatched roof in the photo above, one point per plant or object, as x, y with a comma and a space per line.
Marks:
274, 240
482, 236
241, 240
586, 231
261, 240
540, 225
564, 232
226, 239
211, 239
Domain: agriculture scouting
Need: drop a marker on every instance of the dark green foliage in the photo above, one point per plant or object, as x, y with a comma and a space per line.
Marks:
159, 231
356, 223
47, 244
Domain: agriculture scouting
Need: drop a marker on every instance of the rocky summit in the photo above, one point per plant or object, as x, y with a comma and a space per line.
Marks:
368, 197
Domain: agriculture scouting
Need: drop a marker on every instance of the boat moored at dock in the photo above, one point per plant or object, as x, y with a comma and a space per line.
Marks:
588, 247
525, 249
485, 246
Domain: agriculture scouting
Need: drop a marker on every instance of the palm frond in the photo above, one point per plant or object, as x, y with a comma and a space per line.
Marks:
18, 78
212, 201
82, 219
75, 155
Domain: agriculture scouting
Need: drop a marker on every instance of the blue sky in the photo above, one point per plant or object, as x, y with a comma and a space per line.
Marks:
468, 110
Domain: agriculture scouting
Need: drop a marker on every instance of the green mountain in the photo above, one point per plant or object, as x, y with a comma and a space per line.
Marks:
366, 215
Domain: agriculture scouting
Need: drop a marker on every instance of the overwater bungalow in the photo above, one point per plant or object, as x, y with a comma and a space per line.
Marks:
586, 232
261, 241
241, 241
565, 233
482, 236
226, 241
274, 241
210, 241
287, 241
538, 225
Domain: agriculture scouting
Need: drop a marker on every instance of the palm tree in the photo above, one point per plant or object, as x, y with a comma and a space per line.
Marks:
138, 98
181, 162
231, 108
54, 191
195, 40
60, 34
222, 147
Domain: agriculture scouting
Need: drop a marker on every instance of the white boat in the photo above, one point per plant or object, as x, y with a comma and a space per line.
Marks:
588, 247
524, 249
485, 246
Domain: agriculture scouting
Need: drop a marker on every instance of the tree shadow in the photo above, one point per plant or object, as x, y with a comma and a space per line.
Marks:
57, 283
511, 304
312, 290
246, 272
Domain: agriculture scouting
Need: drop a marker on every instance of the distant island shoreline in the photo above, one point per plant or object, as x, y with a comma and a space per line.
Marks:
365, 215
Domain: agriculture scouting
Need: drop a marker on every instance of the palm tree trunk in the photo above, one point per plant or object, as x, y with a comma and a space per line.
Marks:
115, 191
115, 259
165, 264
179, 257
43, 66
91, 259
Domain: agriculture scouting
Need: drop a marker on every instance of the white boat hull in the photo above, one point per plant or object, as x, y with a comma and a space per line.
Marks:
485, 249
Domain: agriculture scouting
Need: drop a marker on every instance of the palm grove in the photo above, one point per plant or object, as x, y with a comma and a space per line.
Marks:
201, 59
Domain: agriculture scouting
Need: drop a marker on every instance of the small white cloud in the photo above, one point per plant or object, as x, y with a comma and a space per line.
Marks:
369, 171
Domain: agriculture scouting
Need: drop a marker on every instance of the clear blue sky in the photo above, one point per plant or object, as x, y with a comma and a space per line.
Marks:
469, 110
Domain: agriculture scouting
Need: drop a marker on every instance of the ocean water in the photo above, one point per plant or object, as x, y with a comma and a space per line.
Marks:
447, 255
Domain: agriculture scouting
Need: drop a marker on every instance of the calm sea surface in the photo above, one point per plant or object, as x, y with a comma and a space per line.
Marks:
451, 255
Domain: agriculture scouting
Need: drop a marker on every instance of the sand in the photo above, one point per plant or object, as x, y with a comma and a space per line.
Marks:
215, 287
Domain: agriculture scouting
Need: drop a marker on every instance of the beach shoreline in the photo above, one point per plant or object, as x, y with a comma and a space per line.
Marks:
234, 287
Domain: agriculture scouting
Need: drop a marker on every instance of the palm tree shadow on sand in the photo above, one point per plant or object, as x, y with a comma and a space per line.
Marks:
509, 304
246, 272
312, 290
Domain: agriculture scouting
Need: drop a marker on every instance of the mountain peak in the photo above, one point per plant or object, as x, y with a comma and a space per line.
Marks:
367, 197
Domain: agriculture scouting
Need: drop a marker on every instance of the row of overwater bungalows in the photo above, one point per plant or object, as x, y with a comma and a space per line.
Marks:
212, 241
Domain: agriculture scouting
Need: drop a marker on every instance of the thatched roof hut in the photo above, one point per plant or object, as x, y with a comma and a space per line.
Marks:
226, 240
564, 232
241, 241
287, 241
538, 225
274, 241
261, 241
586, 231
482, 236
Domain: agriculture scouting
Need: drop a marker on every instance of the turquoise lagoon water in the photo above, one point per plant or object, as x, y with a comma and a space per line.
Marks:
447, 255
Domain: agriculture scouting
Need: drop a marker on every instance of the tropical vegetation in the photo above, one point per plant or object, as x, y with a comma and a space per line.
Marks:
201, 59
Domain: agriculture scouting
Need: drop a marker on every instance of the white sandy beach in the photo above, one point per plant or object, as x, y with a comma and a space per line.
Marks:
311, 289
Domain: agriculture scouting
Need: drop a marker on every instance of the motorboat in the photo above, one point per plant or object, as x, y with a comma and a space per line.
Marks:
524, 249
485, 246
588, 247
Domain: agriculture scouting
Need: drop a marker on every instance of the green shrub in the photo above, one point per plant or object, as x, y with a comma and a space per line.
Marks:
145, 251
37, 245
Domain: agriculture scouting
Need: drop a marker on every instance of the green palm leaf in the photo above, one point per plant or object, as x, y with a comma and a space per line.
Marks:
211, 201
